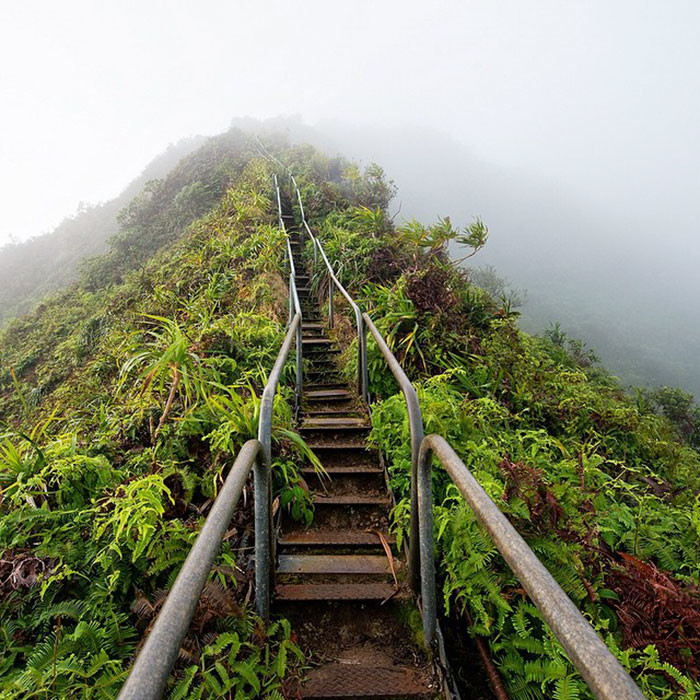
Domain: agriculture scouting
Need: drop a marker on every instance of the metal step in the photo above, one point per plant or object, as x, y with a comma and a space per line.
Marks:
337, 681
324, 386
349, 470
332, 538
334, 412
336, 591
319, 422
321, 499
330, 392
367, 564
342, 446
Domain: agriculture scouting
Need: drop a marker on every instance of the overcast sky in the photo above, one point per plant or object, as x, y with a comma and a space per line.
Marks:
599, 96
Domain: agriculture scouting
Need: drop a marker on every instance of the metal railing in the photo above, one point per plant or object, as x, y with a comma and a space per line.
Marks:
294, 305
595, 662
262, 474
589, 654
152, 667
262, 478
362, 372
415, 424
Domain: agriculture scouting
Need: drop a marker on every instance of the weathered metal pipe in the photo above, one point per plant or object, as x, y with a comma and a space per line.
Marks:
263, 512
415, 422
152, 667
595, 662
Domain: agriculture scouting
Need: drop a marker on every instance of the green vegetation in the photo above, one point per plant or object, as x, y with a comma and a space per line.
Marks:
598, 483
122, 408
45, 264
124, 399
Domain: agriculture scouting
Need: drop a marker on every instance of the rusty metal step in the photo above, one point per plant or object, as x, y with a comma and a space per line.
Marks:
323, 386
366, 564
322, 367
318, 422
342, 412
336, 591
317, 341
337, 681
321, 499
342, 469
344, 446
332, 538
328, 392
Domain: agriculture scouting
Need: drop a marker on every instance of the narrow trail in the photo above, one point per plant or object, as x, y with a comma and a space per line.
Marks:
334, 580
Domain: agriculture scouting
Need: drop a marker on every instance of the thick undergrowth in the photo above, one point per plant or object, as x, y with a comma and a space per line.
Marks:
602, 487
122, 407
124, 399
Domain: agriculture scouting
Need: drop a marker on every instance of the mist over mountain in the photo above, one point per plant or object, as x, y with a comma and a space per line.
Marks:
32, 269
623, 284
622, 281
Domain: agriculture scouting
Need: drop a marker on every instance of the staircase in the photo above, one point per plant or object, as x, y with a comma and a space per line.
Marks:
334, 579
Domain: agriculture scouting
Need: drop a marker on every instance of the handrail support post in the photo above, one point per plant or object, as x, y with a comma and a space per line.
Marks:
428, 595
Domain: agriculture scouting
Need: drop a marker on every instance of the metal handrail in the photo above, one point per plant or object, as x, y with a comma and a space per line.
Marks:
262, 476
590, 655
152, 667
294, 305
415, 422
362, 371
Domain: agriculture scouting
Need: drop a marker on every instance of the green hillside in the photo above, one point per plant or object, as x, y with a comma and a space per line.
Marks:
32, 269
125, 398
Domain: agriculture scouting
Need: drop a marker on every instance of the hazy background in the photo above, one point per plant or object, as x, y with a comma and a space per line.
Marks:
571, 127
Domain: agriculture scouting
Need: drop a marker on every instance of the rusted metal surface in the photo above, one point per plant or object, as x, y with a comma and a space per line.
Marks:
365, 681
152, 667
333, 537
359, 446
337, 422
369, 564
342, 469
321, 499
587, 651
335, 591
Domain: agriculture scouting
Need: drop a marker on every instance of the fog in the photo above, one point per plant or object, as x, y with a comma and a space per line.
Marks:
571, 128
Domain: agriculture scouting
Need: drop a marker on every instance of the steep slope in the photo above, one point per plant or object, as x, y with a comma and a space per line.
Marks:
121, 409
47, 263
125, 398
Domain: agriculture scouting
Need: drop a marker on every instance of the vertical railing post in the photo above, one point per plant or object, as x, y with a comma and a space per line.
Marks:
263, 512
428, 594
299, 358
414, 554
330, 302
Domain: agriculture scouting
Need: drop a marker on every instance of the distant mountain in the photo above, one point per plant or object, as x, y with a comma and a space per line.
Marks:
32, 269
624, 284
